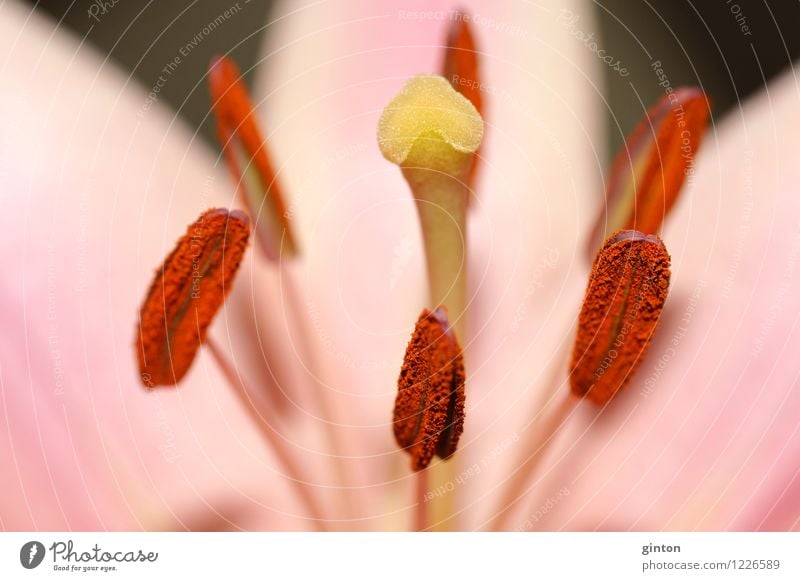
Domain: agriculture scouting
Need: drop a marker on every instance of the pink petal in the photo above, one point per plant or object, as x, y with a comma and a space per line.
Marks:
99, 182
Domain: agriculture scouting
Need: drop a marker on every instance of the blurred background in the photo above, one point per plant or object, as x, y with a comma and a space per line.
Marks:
729, 47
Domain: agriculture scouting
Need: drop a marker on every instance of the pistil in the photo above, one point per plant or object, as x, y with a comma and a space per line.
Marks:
431, 131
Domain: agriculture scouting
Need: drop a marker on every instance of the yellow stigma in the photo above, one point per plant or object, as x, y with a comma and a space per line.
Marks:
430, 125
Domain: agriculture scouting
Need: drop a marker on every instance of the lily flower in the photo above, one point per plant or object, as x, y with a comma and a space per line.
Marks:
292, 383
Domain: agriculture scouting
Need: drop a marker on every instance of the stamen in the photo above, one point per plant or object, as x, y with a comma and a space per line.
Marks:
248, 160
538, 437
626, 293
461, 68
186, 294
649, 171
278, 445
627, 290
326, 410
429, 409
431, 131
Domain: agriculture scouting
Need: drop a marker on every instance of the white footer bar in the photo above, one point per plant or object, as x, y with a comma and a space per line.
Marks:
401, 556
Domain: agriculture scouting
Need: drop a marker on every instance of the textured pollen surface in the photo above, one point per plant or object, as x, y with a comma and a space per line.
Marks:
186, 293
626, 293
429, 409
428, 107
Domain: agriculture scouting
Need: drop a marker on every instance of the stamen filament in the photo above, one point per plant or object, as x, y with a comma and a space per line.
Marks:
276, 444
326, 409
421, 513
545, 430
